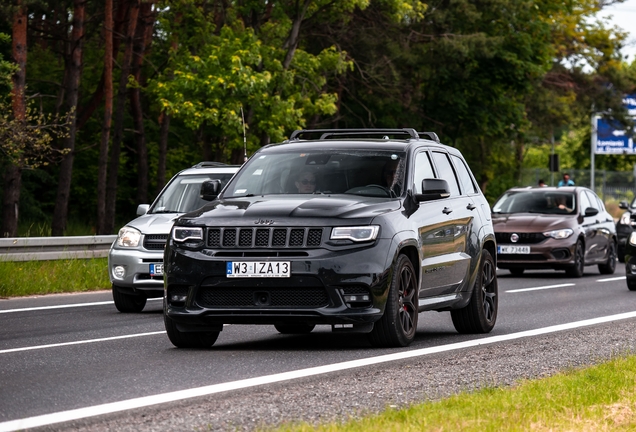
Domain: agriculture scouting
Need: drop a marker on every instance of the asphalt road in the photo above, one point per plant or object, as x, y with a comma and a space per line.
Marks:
64, 352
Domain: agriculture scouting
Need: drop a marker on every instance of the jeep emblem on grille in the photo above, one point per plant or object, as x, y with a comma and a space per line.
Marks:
514, 237
264, 221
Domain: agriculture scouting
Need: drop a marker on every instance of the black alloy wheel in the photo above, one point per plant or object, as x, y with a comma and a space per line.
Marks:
610, 266
182, 339
576, 270
128, 303
480, 315
631, 285
398, 325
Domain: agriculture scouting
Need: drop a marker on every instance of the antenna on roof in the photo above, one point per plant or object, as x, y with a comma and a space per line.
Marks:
244, 138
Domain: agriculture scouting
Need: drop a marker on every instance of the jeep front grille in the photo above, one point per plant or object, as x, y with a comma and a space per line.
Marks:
253, 297
264, 237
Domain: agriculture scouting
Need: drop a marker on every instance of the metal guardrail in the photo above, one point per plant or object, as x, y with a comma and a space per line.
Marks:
54, 248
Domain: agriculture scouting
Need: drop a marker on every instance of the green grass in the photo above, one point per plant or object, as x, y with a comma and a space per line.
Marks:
599, 398
47, 277
41, 228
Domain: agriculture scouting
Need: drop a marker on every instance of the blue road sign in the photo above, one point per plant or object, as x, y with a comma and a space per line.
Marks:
611, 136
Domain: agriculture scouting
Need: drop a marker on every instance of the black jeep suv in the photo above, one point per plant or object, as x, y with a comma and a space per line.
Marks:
360, 229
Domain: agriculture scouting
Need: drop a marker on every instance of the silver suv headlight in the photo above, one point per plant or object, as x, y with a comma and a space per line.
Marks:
356, 234
128, 237
559, 234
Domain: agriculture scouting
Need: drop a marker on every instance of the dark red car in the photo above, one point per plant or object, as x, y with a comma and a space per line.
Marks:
564, 228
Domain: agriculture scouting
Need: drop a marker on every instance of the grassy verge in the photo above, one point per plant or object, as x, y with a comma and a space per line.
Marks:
598, 398
47, 277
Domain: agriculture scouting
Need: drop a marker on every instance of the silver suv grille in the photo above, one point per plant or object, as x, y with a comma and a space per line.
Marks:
264, 237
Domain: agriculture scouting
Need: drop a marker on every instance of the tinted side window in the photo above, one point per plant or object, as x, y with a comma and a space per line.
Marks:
585, 203
465, 180
593, 200
446, 172
423, 169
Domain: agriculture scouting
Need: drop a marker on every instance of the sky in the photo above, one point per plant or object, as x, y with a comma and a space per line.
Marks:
624, 16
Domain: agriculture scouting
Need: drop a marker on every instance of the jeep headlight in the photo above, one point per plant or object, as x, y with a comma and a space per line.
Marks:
632, 238
559, 234
356, 234
182, 234
128, 237
626, 218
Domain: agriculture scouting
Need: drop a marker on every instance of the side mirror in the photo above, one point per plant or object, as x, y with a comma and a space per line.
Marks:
591, 211
142, 209
433, 189
210, 189
623, 205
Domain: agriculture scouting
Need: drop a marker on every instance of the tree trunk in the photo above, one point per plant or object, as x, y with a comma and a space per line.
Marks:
13, 174
142, 38
164, 120
292, 40
60, 211
85, 112
102, 163
118, 124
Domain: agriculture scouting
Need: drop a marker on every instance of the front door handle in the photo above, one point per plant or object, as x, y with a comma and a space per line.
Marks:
471, 206
447, 210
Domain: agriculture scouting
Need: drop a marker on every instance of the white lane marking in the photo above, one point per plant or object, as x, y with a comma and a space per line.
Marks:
540, 288
79, 342
64, 306
612, 279
80, 413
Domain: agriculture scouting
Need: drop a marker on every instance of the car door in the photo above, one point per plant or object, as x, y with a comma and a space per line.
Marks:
443, 233
603, 235
590, 226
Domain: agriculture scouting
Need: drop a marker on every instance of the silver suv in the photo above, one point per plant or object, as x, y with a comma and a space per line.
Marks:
135, 260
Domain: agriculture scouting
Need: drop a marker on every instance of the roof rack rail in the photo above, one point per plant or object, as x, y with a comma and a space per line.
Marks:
209, 164
325, 133
430, 135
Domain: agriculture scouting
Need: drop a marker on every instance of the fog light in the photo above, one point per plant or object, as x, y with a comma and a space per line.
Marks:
632, 267
356, 298
178, 298
119, 271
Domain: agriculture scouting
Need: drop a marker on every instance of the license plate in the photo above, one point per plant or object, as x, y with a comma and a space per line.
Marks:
156, 269
274, 269
513, 249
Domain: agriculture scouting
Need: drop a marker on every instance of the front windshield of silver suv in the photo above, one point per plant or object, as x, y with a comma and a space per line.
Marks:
182, 195
352, 171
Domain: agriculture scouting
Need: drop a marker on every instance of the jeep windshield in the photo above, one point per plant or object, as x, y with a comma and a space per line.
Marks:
343, 171
183, 194
536, 202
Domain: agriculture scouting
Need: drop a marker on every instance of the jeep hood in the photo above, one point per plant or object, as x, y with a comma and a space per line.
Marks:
290, 210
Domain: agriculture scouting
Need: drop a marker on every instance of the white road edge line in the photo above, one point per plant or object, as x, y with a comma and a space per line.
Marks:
113, 407
612, 279
64, 306
540, 288
11, 350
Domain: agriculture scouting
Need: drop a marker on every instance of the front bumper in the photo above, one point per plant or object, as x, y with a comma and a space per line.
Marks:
551, 253
319, 290
136, 263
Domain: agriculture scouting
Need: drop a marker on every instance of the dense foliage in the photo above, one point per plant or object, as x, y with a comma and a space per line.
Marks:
499, 79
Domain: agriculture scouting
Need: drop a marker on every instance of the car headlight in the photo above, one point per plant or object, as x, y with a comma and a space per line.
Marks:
182, 234
356, 234
626, 218
559, 234
632, 238
128, 237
